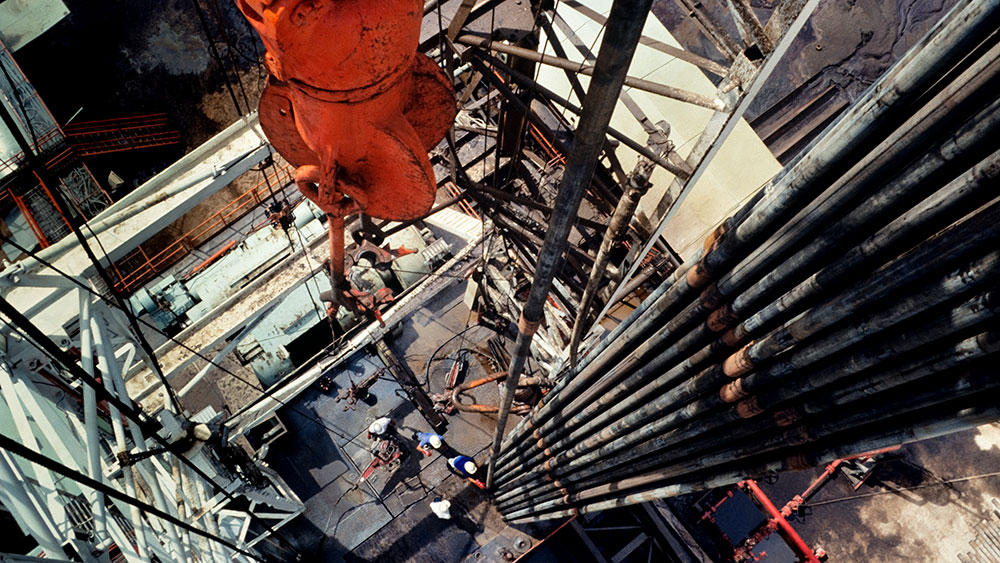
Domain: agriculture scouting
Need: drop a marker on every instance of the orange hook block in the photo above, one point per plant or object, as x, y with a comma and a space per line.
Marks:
351, 103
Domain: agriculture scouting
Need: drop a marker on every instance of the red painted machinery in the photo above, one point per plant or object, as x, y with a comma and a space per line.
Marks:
856, 468
353, 106
385, 452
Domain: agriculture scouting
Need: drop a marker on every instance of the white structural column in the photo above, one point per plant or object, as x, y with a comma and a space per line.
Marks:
159, 500
45, 479
25, 509
92, 442
108, 365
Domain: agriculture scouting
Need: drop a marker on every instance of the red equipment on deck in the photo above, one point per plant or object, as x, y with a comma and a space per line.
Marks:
857, 468
387, 452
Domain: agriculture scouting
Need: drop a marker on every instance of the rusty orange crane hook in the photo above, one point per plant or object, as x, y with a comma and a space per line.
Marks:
353, 106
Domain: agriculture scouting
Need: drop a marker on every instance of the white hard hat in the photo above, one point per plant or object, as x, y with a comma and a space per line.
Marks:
441, 509
378, 427
435, 441
470, 467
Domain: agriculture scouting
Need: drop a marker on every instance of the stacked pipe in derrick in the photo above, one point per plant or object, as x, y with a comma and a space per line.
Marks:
849, 305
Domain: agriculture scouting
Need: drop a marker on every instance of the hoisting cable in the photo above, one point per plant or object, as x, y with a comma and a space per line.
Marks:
218, 59
130, 411
60, 204
20, 450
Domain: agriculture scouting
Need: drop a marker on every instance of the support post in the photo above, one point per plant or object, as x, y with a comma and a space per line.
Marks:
90, 413
621, 37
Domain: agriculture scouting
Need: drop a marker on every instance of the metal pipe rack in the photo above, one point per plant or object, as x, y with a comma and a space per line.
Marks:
846, 307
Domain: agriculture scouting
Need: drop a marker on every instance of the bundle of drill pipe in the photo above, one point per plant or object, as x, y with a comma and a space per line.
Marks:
849, 306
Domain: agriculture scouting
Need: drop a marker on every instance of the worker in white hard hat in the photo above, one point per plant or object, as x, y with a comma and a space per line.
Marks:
428, 440
440, 507
379, 427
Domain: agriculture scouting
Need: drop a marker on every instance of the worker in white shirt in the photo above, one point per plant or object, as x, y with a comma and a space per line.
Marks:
379, 427
441, 508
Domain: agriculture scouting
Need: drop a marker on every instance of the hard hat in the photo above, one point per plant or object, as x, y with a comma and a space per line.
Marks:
377, 427
440, 508
435, 441
470, 467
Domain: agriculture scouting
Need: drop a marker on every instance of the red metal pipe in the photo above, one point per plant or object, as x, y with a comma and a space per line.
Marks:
336, 226
779, 523
208, 261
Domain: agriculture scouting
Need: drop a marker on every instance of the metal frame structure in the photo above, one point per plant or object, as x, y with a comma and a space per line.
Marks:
35, 199
735, 93
57, 410
725, 348
71, 422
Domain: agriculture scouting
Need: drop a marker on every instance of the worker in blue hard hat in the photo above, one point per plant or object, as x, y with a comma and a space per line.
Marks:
466, 467
428, 440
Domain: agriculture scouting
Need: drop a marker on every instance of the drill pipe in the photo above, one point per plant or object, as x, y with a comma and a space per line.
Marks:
961, 193
856, 422
909, 343
970, 312
860, 129
638, 184
853, 300
977, 129
525, 81
589, 70
963, 316
939, 425
620, 40
633, 329
857, 416
635, 428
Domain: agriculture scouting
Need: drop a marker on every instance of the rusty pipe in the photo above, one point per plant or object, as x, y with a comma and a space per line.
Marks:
962, 194
620, 39
911, 343
949, 414
527, 82
859, 130
943, 424
637, 186
651, 420
588, 70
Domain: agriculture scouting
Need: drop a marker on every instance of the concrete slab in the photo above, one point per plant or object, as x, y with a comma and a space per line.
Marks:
924, 506
22, 21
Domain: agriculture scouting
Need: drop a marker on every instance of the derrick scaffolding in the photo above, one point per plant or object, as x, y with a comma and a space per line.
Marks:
816, 322
90, 475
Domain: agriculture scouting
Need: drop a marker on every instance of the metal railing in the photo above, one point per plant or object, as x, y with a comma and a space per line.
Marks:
137, 267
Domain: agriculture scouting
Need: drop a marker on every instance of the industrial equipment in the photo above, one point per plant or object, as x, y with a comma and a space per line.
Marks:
348, 94
358, 391
386, 452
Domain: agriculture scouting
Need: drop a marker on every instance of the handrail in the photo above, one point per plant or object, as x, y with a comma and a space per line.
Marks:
151, 266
